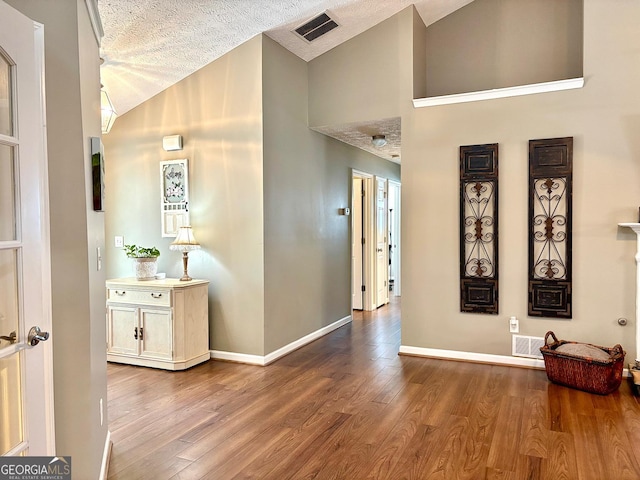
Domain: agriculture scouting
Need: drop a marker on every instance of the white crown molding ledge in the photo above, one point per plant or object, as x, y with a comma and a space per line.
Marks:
281, 352
518, 91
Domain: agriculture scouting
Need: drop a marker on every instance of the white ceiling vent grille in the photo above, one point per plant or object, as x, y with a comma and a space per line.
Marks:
524, 346
316, 27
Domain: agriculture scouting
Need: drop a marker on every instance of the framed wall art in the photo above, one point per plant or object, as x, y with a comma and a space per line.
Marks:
97, 173
550, 212
479, 228
174, 193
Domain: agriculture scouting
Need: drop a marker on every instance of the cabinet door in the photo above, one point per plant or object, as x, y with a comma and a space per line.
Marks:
157, 336
122, 324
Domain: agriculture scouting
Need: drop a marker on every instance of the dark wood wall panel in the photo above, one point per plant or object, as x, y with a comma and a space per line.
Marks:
479, 228
550, 207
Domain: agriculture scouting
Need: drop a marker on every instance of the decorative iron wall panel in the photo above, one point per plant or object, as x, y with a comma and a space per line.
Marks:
479, 228
550, 189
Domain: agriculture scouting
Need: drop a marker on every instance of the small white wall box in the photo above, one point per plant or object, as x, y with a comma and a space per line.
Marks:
172, 142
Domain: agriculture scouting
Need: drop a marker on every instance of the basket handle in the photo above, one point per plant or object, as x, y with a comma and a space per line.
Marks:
546, 338
617, 352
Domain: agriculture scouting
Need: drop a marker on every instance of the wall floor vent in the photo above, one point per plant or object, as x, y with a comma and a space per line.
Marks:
524, 346
316, 27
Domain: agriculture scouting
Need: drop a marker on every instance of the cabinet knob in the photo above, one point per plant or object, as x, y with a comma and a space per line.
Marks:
156, 295
120, 293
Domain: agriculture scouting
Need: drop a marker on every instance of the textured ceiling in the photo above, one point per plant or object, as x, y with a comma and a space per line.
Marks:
359, 135
151, 44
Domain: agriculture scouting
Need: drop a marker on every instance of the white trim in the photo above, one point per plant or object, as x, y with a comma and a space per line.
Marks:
368, 233
106, 455
46, 242
158, 362
301, 342
472, 357
518, 91
237, 357
478, 357
636, 228
397, 285
94, 16
21, 447
281, 352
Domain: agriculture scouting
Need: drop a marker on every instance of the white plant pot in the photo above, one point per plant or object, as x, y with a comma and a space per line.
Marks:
145, 268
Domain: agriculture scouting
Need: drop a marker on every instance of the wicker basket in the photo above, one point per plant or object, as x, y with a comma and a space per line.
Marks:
583, 373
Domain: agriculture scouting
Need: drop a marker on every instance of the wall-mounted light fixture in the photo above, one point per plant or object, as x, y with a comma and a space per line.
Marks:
379, 140
185, 242
172, 142
108, 113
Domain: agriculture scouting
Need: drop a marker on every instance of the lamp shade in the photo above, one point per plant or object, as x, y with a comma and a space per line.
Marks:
185, 241
108, 112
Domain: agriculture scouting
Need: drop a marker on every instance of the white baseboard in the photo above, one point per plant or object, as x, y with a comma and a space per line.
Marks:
281, 352
106, 454
472, 357
237, 357
478, 357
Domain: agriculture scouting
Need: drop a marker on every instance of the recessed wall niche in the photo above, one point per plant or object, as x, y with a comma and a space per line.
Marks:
491, 44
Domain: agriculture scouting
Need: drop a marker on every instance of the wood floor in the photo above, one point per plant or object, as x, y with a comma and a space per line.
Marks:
348, 407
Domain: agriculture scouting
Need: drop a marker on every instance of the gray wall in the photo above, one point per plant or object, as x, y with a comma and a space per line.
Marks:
419, 57
307, 178
78, 333
367, 78
265, 192
501, 43
603, 118
218, 111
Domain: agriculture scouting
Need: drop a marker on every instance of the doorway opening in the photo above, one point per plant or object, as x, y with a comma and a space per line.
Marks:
375, 240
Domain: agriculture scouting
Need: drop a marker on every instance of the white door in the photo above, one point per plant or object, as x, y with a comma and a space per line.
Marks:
393, 197
357, 246
382, 248
26, 379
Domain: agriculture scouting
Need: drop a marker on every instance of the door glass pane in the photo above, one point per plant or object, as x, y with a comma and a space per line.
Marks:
8, 295
7, 194
11, 428
5, 97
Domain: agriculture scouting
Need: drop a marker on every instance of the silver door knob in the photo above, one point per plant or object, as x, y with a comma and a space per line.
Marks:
36, 336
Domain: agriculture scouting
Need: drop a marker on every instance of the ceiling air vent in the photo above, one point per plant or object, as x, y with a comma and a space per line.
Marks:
316, 27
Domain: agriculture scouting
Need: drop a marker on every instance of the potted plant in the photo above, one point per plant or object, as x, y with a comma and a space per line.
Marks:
145, 261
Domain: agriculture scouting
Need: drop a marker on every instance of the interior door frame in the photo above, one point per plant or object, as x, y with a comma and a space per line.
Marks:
357, 245
48, 415
379, 302
368, 232
396, 230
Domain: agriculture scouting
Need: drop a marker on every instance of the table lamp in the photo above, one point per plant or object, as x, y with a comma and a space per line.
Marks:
185, 242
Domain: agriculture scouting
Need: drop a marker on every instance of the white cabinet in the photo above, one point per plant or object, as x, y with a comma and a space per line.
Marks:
158, 323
